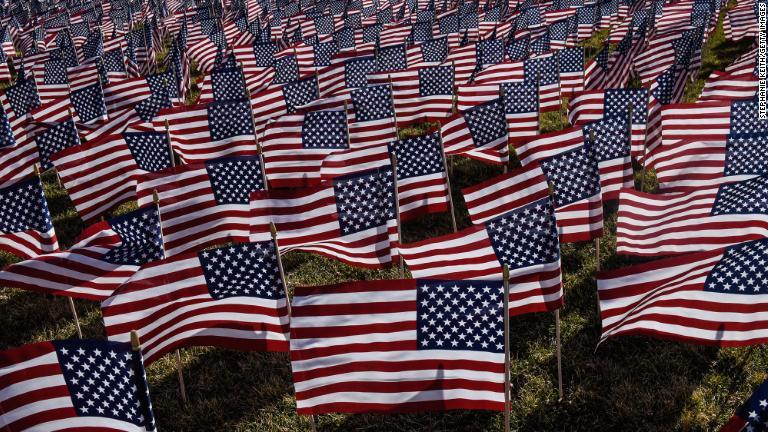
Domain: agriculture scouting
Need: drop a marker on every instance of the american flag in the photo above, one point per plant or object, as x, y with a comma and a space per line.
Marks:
26, 227
709, 121
544, 70
203, 204
421, 176
105, 255
662, 52
609, 140
207, 131
571, 166
396, 351
479, 132
89, 104
351, 219
74, 384
521, 108
295, 146
55, 139
715, 216
725, 86
18, 150
502, 194
752, 415
740, 22
525, 239
696, 298
571, 69
687, 165
231, 296
101, 174
423, 93
613, 104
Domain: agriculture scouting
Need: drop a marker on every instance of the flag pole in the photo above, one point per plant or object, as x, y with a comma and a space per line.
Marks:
504, 110
559, 356
507, 360
346, 122
36, 171
273, 231
393, 158
168, 137
259, 148
179, 364
447, 181
597, 239
392, 101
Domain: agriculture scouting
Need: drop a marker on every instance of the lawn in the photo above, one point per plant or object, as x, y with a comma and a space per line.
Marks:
630, 383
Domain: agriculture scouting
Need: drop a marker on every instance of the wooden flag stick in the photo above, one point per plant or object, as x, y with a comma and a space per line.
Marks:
170, 148
346, 121
259, 148
507, 360
393, 158
448, 182
559, 357
179, 364
74, 315
273, 231
504, 109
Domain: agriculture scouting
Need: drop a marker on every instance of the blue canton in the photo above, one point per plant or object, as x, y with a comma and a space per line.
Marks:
571, 60
357, 69
89, 103
23, 96
741, 270
149, 149
611, 139
486, 123
437, 80
233, 179
460, 315
449, 24
286, 69
324, 130
300, 93
490, 51
105, 379
435, 50
242, 270
324, 51
373, 103
545, 68
422, 31
55, 72
520, 97
419, 156
745, 197
746, 154
617, 101
392, 58
364, 200
745, 118
264, 53
6, 134
228, 84
574, 175
666, 86
371, 33
140, 236
344, 38
525, 236
753, 412
55, 139
517, 50
148, 108
24, 207
230, 119
324, 25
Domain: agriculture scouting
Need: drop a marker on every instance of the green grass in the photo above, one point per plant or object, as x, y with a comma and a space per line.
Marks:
631, 383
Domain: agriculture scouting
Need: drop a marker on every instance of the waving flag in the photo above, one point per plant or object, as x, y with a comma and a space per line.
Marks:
395, 352
715, 298
715, 216
420, 94
60, 385
525, 239
351, 219
421, 177
107, 254
709, 121
752, 415
26, 228
203, 204
479, 133
725, 86
231, 297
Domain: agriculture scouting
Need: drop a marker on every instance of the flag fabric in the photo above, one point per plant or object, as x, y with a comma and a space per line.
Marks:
688, 165
695, 298
394, 351
351, 219
478, 133
571, 166
101, 174
725, 86
230, 296
104, 256
62, 385
422, 185
423, 93
55, 139
751, 415
715, 216
525, 239
708, 121
203, 204
26, 227
609, 140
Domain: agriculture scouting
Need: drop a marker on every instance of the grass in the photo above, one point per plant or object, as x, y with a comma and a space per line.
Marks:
631, 383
